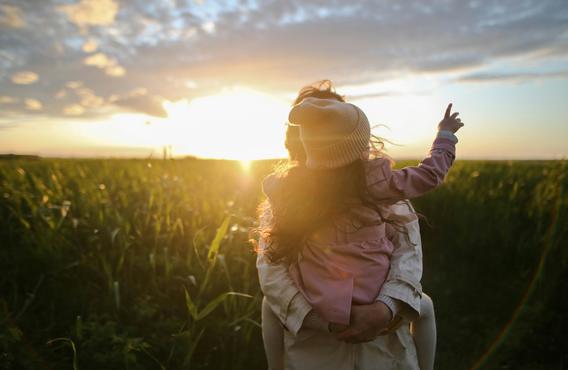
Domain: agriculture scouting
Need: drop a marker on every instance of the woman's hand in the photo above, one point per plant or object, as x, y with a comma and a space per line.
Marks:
367, 322
450, 122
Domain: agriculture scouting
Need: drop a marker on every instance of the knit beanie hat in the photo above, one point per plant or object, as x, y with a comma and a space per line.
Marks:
333, 133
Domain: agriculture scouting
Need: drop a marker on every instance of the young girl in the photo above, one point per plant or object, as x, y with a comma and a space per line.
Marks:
334, 213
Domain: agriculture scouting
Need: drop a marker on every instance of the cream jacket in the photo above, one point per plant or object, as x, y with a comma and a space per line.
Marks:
307, 349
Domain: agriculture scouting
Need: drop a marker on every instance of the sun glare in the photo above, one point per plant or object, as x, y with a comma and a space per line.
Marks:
244, 124
237, 123
245, 165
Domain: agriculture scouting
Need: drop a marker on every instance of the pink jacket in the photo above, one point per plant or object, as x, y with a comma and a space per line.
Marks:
342, 264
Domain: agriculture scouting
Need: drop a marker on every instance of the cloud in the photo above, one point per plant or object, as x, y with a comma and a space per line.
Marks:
90, 46
88, 99
99, 60
91, 12
181, 49
25, 78
74, 84
109, 65
190, 84
11, 17
208, 27
8, 100
115, 71
279, 48
383, 94
483, 77
150, 105
73, 110
33, 104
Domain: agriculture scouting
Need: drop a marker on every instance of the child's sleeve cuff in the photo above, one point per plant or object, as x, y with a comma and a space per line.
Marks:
445, 134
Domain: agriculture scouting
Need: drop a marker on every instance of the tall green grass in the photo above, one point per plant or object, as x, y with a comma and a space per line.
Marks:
136, 264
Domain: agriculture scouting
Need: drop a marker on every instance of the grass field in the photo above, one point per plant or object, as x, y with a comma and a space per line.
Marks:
137, 264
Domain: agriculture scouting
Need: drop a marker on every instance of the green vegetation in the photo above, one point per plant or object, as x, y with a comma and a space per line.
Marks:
134, 264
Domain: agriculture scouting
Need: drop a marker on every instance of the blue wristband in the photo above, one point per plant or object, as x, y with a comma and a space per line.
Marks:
446, 134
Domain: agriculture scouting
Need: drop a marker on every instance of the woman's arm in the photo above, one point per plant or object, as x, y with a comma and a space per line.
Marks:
401, 292
402, 284
403, 281
281, 293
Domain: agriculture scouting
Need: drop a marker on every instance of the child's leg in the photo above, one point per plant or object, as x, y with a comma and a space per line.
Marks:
273, 338
424, 333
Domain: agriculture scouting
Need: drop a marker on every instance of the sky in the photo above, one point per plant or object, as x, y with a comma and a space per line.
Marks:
125, 78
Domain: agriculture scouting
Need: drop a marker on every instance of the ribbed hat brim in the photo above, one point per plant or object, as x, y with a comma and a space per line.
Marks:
343, 151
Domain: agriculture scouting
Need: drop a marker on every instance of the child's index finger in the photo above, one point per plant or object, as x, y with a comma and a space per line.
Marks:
448, 111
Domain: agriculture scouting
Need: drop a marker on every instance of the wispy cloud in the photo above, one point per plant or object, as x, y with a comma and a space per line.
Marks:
91, 12
7, 100
89, 46
33, 104
24, 78
73, 110
11, 17
102, 61
483, 77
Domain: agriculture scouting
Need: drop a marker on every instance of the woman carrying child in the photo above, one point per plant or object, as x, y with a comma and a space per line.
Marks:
340, 254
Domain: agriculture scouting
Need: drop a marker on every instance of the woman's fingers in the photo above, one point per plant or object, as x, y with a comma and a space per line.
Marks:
352, 335
448, 111
346, 334
454, 115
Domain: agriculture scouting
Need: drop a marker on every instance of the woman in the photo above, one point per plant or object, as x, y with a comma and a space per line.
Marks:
360, 346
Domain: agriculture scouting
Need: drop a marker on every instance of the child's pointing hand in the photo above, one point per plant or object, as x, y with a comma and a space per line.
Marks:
450, 122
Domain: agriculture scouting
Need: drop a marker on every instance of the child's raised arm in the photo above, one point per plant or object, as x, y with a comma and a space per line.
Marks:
386, 184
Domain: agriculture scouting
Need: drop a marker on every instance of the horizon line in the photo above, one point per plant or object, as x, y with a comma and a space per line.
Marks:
6, 156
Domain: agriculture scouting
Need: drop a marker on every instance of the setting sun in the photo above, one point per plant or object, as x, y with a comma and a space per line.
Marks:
245, 164
237, 123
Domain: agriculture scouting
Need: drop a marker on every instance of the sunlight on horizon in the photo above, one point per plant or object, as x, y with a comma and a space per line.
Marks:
246, 165
237, 123
245, 124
